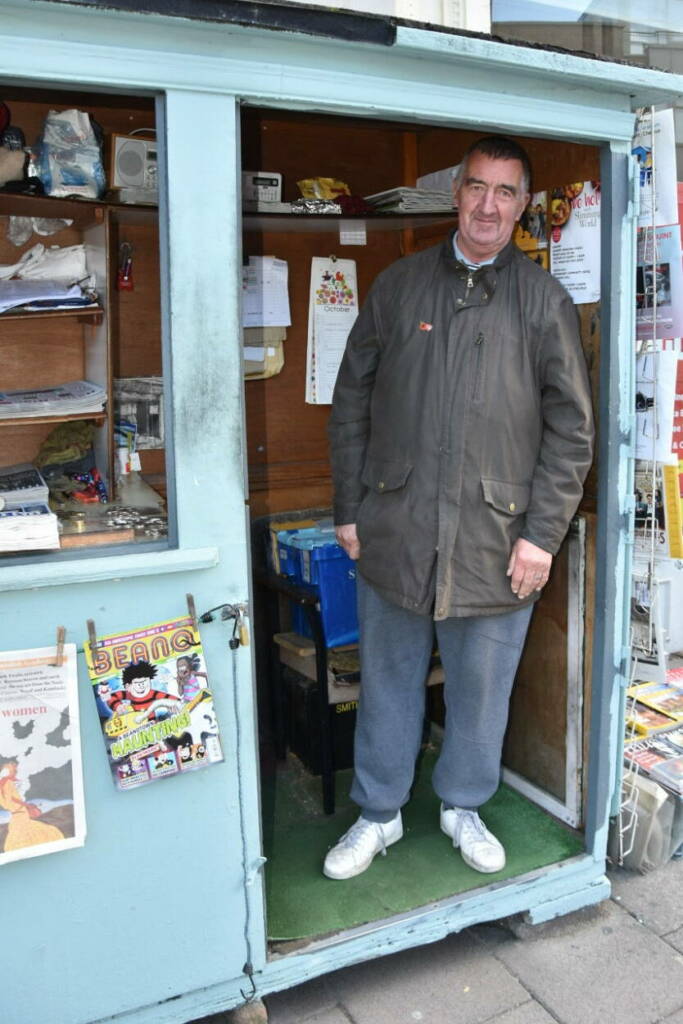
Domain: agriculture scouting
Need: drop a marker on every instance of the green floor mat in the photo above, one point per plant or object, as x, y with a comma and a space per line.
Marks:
421, 868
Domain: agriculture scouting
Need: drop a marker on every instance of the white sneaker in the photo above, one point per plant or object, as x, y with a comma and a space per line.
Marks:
479, 848
357, 848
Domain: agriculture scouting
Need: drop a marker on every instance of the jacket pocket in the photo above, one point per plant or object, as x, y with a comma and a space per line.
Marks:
510, 499
382, 475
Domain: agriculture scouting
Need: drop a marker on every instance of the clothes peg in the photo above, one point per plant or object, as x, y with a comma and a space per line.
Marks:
92, 636
59, 656
192, 611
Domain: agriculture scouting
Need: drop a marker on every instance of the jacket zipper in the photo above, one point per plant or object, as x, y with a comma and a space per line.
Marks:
477, 374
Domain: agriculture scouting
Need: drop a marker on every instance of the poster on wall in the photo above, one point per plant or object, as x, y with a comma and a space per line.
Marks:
42, 809
659, 284
575, 239
677, 429
332, 312
657, 177
153, 699
531, 234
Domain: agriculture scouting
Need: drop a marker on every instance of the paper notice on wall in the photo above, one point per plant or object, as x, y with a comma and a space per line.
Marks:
677, 431
659, 284
656, 167
333, 308
41, 777
575, 239
265, 298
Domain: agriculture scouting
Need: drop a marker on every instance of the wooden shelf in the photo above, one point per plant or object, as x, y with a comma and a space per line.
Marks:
94, 417
84, 314
80, 211
290, 222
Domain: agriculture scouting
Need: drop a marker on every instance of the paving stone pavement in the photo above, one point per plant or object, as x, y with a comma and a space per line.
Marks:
620, 962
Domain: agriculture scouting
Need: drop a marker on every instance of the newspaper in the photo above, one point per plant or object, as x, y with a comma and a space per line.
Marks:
31, 526
42, 809
73, 398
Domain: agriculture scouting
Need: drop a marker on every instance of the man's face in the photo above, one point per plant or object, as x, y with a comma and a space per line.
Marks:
490, 202
139, 687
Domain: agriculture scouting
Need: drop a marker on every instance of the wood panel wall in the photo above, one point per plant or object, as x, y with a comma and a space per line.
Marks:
287, 442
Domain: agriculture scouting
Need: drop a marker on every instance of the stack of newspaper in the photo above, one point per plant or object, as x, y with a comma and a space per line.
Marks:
411, 200
28, 527
26, 522
77, 397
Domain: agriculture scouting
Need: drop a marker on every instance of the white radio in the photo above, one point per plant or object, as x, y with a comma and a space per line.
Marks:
133, 162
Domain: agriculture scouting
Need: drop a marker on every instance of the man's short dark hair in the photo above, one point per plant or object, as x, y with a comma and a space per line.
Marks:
498, 147
137, 670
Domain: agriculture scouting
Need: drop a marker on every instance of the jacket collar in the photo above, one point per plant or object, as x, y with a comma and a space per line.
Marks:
504, 257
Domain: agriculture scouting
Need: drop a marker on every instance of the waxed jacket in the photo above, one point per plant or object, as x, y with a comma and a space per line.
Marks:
461, 420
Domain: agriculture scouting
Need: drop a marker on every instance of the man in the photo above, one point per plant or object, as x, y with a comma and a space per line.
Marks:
461, 434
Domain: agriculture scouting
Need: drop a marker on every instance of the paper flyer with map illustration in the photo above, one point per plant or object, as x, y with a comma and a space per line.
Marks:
152, 695
41, 778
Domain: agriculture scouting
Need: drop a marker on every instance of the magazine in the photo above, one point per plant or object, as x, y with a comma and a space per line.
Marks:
650, 752
670, 774
156, 709
22, 483
646, 720
667, 699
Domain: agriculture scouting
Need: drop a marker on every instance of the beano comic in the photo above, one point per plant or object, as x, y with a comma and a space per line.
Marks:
154, 702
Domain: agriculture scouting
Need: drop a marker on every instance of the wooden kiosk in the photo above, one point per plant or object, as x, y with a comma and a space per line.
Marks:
373, 102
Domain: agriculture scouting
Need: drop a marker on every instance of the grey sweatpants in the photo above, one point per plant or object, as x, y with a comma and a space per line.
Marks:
479, 655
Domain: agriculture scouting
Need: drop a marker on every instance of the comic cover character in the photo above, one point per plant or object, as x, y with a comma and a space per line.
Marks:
102, 698
138, 691
188, 676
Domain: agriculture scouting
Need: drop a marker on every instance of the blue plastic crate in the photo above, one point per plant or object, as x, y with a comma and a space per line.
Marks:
313, 557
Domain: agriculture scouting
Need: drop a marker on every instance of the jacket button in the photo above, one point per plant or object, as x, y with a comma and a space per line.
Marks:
381, 485
512, 506
441, 611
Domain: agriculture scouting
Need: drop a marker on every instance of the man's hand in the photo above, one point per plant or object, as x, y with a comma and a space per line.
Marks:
529, 567
348, 538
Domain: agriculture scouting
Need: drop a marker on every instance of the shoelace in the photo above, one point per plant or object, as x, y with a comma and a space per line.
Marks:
472, 819
355, 834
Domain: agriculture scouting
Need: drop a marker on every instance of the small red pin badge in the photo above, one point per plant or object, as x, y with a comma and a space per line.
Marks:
425, 326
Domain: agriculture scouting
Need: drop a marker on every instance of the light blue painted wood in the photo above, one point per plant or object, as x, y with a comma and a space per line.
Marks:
449, 79
154, 905
588, 897
90, 570
153, 852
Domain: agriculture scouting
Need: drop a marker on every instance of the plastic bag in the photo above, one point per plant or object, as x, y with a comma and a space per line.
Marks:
70, 156
20, 229
66, 265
